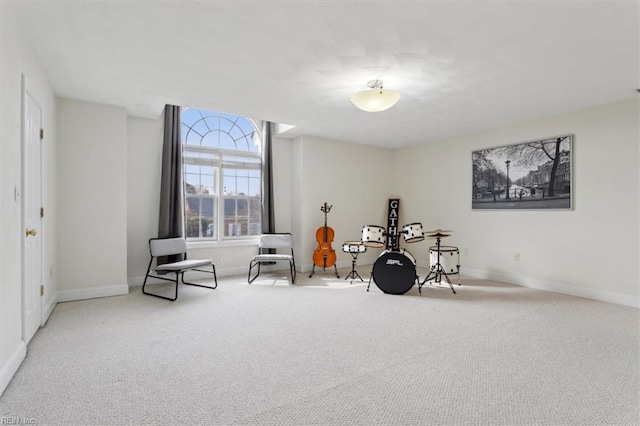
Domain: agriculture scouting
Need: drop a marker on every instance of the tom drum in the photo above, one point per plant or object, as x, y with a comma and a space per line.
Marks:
412, 232
373, 236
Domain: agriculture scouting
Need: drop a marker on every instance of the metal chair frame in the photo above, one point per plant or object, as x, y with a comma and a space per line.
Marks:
270, 243
170, 247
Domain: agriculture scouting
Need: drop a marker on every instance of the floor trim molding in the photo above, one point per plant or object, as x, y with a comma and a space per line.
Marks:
603, 296
11, 366
92, 293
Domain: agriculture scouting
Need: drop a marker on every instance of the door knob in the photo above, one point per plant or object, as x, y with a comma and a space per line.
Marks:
31, 232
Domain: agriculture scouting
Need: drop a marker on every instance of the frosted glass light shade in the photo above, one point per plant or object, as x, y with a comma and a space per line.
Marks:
375, 100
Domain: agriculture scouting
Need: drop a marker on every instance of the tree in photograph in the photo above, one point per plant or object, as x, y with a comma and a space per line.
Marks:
532, 154
485, 175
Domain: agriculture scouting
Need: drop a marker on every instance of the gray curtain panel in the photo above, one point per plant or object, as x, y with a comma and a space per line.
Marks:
171, 223
268, 219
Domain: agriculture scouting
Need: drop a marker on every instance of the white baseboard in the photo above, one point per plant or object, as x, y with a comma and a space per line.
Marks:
48, 308
11, 366
92, 293
603, 296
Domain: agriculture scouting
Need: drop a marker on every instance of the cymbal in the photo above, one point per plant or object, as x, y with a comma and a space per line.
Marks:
438, 235
436, 231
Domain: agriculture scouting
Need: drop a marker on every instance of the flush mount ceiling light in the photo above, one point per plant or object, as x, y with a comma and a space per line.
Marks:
375, 98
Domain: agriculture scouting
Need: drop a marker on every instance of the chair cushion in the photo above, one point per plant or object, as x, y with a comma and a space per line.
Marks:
271, 257
185, 264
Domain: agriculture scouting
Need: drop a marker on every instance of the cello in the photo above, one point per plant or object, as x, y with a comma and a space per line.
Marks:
324, 256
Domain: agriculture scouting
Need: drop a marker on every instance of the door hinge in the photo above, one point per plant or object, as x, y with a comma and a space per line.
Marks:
41, 134
41, 290
41, 211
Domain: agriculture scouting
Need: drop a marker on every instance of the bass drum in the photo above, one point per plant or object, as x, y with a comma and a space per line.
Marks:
395, 271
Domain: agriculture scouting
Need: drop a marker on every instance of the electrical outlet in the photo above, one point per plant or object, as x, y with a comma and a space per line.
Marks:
467, 251
218, 259
516, 256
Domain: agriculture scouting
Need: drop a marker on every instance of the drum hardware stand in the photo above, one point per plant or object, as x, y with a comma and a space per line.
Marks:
437, 270
370, 277
354, 274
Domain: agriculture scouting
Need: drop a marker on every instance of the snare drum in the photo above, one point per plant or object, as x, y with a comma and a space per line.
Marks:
373, 236
449, 259
412, 232
353, 247
395, 271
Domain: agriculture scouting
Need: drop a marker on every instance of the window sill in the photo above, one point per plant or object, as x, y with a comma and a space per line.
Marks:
249, 242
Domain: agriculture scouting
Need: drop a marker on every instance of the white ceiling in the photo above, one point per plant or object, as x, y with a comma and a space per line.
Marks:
460, 66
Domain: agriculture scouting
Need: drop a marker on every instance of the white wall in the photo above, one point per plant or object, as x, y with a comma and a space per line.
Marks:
92, 197
355, 179
144, 160
18, 59
590, 251
283, 183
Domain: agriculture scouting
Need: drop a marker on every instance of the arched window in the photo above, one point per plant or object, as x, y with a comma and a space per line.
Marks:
221, 156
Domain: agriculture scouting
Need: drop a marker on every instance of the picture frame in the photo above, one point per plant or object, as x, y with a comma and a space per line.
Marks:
534, 175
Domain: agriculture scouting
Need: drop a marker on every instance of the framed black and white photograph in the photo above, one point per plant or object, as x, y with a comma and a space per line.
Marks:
528, 175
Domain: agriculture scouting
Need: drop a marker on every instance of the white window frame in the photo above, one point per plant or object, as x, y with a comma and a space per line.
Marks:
219, 161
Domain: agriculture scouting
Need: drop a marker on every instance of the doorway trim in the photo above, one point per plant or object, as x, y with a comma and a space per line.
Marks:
32, 214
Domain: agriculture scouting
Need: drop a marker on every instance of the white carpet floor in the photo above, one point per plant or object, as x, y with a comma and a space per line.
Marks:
328, 352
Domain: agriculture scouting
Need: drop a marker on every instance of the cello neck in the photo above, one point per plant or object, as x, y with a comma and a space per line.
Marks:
325, 225
325, 209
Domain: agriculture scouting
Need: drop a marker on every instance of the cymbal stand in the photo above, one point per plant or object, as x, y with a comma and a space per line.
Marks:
437, 272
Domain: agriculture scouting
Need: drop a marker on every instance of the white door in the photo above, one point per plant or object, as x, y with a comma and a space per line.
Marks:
31, 214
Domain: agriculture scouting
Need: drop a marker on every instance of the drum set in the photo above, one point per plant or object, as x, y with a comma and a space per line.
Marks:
394, 272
